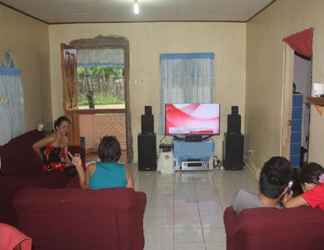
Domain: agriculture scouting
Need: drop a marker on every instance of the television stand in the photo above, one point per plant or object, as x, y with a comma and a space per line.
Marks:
193, 138
193, 155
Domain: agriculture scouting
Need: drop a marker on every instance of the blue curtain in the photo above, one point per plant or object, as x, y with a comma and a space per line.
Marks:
186, 78
11, 102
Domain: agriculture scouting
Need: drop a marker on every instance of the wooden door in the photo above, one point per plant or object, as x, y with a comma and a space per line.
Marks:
70, 90
286, 106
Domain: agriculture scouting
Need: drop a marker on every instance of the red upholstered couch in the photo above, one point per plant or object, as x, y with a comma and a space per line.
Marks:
57, 214
75, 219
270, 228
21, 167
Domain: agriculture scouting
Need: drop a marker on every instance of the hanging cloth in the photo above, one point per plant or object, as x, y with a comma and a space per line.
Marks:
12, 101
301, 42
101, 57
186, 78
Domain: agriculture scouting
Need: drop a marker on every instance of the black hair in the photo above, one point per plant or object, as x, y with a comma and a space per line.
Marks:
60, 120
310, 173
274, 177
109, 149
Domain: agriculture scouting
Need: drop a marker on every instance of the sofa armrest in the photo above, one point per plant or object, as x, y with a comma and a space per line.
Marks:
135, 232
230, 221
231, 228
28, 163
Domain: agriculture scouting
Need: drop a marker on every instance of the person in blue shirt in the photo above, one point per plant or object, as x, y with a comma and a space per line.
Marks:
106, 173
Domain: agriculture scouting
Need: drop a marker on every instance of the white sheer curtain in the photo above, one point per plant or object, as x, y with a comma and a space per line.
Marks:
11, 101
186, 78
101, 57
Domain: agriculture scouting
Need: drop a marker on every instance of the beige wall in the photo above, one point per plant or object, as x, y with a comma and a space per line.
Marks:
264, 74
27, 39
147, 41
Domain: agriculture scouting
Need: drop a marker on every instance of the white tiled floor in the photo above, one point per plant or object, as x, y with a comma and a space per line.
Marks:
185, 210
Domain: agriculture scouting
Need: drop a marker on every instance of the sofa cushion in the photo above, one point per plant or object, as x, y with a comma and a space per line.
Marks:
18, 156
9, 185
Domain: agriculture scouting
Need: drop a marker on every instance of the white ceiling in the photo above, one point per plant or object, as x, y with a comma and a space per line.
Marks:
83, 11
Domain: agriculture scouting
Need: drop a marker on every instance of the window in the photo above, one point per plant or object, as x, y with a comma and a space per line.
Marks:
186, 78
100, 76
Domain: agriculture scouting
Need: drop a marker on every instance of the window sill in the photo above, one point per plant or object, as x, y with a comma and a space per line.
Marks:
99, 111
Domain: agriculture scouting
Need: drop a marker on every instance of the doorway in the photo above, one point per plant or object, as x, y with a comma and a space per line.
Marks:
300, 129
97, 92
297, 85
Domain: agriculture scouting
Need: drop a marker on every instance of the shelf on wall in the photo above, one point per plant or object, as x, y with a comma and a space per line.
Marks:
318, 102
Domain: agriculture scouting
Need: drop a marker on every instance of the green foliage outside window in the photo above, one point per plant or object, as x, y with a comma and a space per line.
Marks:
100, 85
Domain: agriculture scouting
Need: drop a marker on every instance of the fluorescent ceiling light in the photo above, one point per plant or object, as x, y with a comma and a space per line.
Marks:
136, 8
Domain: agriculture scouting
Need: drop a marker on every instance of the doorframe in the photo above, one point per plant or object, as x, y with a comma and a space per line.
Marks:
286, 101
114, 42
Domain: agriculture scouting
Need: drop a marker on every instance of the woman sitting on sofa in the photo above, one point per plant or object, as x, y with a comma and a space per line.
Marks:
275, 175
53, 149
312, 180
106, 173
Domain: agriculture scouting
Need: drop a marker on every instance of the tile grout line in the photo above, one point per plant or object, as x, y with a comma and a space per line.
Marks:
173, 211
217, 194
200, 219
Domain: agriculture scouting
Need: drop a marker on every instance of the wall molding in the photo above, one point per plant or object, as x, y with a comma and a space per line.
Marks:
261, 11
147, 21
23, 13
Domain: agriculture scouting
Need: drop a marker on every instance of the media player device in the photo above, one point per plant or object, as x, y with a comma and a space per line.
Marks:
195, 165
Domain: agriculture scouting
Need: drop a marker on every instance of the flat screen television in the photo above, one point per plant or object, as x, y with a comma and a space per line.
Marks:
192, 119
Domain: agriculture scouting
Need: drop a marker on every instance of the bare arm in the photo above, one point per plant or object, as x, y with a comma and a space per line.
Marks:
42, 143
84, 176
129, 176
297, 201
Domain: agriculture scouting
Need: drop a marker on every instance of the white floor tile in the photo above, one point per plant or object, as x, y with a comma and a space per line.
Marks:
188, 234
215, 246
189, 246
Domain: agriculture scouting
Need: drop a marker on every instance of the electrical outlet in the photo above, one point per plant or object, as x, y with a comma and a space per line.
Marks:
251, 151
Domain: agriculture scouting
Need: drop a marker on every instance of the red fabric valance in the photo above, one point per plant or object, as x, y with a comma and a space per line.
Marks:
301, 42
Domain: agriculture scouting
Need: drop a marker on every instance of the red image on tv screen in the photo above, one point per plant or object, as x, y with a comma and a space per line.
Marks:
182, 119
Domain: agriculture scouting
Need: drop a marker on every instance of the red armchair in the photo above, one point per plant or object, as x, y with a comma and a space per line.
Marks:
271, 228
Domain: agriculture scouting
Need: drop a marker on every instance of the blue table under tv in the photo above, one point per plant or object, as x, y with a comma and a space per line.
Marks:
198, 151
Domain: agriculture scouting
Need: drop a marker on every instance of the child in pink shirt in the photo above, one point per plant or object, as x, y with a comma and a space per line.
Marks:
13, 239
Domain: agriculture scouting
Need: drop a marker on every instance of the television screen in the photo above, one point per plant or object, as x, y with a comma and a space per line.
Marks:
186, 119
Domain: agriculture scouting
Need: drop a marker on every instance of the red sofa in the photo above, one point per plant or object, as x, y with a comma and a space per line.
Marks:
21, 167
75, 219
270, 228
56, 213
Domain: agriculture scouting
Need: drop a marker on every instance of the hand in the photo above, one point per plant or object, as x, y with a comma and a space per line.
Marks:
76, 159
66, 161
287, 197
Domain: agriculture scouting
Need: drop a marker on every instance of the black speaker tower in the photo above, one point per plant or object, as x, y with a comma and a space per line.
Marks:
146, 142
234, 142
147, 121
